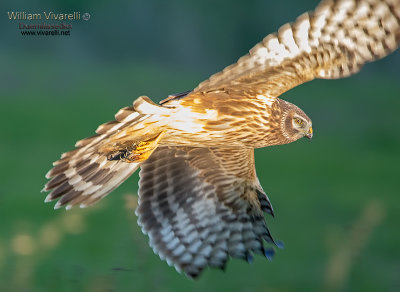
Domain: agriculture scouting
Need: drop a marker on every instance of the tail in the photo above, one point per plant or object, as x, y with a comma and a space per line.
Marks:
102, 162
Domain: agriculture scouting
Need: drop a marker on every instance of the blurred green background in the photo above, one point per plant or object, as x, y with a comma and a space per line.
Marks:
336, 199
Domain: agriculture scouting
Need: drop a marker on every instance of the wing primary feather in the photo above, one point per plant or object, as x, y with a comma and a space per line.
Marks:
190, 220
333, 41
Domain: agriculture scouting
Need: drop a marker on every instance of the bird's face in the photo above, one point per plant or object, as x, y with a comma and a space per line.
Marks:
301, 126
295, 123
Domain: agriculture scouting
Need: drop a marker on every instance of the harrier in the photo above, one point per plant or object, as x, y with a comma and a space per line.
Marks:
200, 201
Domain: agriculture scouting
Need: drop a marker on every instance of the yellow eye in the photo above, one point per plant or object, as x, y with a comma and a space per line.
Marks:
299, 122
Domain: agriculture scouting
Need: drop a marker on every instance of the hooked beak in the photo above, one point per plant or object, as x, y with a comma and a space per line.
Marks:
309, 134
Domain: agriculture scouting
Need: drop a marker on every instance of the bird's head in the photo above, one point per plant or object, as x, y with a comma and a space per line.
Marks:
295, 124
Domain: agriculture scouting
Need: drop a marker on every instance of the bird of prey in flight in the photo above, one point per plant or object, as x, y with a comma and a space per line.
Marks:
200, 201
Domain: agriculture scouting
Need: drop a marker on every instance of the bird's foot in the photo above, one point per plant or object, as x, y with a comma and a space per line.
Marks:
136, 152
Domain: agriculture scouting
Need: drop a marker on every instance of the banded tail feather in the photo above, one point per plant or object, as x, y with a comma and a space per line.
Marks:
90, 172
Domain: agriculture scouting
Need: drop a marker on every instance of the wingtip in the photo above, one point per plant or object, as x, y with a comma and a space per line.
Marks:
272, 213
269, 253
48, 199
279, 244
48, 174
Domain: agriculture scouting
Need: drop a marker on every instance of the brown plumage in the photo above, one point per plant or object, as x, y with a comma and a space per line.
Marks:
200, 200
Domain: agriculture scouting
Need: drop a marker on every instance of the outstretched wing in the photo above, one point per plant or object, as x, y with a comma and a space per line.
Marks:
97, 165
334, 41
201, 205
85, 175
